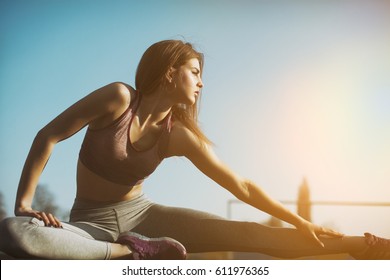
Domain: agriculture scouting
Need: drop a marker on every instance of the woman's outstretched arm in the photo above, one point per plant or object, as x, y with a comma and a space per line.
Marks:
184, 143
98, 108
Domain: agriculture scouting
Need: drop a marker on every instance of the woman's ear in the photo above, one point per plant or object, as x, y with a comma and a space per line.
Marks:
170, 73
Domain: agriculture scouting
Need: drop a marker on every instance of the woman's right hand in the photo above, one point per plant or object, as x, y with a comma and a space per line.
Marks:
313, 232
49, 219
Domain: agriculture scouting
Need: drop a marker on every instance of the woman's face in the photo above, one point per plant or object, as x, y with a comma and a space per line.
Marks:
188, 82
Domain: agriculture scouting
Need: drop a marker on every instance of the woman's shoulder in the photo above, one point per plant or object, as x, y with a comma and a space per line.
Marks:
182, 140
120, 93
112, 100
178, 129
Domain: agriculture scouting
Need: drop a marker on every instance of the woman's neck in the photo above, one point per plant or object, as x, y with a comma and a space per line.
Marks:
153, 108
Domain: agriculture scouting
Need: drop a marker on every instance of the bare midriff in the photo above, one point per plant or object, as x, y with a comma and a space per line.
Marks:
91, 186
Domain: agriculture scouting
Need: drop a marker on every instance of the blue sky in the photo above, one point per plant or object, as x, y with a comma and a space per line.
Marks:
293, 89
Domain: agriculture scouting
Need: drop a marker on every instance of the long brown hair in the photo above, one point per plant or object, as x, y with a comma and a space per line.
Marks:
151, 73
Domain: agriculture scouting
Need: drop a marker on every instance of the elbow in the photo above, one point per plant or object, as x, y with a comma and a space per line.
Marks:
44, 137
243, 188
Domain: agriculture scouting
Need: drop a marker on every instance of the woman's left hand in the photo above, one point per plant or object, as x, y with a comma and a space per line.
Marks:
313, 232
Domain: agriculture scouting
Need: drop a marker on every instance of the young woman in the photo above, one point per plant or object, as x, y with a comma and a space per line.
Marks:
130, 131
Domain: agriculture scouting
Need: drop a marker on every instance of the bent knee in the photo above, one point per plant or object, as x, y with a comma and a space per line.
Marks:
17, 224
12, 232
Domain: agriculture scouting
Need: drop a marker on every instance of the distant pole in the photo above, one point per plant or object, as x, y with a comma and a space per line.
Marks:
303, 203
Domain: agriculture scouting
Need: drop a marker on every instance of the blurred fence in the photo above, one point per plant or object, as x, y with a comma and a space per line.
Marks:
309, 204
349, 217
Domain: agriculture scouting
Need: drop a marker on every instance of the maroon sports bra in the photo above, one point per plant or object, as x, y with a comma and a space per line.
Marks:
109, 153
